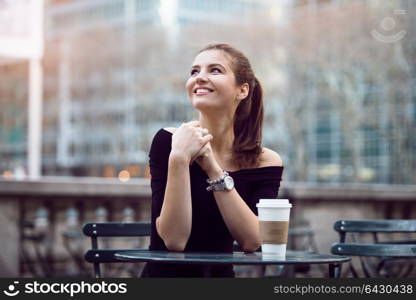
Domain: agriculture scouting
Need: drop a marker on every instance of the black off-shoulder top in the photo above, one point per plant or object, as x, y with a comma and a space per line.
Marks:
209, 232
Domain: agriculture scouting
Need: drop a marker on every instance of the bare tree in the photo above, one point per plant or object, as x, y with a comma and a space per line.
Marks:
346, 65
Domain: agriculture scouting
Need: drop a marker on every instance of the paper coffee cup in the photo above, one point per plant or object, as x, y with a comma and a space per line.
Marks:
274, 225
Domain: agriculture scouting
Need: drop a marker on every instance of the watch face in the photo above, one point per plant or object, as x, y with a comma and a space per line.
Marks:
229, 182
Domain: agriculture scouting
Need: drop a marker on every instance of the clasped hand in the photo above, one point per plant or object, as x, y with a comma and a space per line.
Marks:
191, 142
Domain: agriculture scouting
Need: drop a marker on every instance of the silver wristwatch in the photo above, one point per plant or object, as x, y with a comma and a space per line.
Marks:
224, 183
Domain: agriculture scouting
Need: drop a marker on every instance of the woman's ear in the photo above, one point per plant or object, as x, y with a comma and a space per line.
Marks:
243, 91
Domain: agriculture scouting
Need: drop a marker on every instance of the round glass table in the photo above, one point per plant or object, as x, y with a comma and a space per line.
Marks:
208, 259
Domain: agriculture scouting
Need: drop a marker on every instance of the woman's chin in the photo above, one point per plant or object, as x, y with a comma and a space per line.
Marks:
203, 104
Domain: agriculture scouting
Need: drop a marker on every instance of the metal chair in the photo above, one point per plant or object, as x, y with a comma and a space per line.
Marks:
98, 255
391, 254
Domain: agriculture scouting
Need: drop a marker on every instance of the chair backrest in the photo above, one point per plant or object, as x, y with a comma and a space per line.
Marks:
377, 248
110, 229
386, 251
374, 226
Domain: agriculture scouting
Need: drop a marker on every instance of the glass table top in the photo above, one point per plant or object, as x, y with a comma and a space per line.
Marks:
258, 258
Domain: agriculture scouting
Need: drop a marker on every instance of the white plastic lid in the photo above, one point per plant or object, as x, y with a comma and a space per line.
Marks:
274, 203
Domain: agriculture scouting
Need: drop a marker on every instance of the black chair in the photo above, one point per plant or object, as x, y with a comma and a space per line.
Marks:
98, 255
393, 256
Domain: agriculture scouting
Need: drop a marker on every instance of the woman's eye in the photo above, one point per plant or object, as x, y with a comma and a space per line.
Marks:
216, 70
193, 72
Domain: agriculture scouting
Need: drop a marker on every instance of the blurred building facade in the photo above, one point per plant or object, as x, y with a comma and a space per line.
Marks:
114, 73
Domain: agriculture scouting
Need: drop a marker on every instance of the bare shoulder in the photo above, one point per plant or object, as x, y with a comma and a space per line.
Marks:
170, 129
270, 158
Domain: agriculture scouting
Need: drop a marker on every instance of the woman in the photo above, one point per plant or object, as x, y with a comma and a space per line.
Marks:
208, 175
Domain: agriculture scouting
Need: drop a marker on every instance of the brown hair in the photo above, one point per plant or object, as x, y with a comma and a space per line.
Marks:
248, 118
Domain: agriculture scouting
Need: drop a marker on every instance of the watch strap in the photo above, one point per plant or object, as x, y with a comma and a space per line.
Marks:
217, 184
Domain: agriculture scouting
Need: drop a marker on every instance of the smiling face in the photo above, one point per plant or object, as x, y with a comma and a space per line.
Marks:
212, 84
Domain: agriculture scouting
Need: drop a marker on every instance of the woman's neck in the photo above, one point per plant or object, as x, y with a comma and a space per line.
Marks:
222, 129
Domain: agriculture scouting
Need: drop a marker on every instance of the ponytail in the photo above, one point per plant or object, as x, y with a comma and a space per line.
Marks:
248, 127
